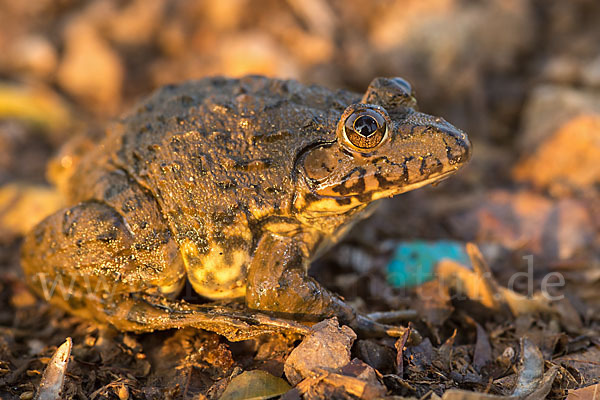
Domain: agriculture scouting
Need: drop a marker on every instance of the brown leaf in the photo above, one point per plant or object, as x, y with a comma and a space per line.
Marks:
433, 303
480, 285
333, 385
532, 383
586, 393
586, 363
483, 351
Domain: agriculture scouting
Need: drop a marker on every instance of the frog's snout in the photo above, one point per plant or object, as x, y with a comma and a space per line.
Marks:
441, 141
460, 151
457, 145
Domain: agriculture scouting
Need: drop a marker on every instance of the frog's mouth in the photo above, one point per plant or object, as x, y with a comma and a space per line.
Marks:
436, 178
367, 186
329, 201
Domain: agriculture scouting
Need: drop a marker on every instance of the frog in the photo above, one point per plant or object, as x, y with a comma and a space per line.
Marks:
232, 186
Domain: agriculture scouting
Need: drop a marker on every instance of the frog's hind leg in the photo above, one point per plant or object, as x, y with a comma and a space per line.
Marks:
86, 256
87, 260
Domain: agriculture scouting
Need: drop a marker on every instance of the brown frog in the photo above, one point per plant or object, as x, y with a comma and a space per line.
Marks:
235, 185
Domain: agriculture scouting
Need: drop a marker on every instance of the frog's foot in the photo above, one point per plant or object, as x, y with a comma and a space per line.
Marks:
367, 327
278, 283
145, 313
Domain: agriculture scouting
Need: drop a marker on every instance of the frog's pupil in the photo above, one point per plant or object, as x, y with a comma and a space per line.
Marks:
365, 125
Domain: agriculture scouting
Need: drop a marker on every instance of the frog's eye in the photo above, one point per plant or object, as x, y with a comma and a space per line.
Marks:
365, 127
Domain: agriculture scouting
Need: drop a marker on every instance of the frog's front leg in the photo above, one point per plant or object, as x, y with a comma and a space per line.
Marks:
278, 283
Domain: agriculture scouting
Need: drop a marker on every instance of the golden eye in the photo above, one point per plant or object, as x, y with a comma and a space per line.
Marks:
365, 128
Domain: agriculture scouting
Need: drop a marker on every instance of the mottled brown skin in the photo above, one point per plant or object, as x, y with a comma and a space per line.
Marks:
234, 184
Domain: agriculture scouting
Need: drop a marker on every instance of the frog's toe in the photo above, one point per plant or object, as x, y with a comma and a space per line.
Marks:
365, 326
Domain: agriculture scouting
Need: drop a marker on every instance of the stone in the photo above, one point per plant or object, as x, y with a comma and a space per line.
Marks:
326, 347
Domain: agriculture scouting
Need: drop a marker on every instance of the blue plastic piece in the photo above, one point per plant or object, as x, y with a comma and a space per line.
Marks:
413, 262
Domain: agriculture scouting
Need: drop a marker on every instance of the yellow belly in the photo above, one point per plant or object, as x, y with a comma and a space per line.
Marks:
216, 275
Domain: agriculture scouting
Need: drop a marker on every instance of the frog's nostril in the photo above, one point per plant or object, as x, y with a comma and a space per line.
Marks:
458, 145
464, 144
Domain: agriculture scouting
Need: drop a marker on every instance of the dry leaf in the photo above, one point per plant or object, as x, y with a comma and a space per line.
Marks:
586, 393
255, 385
54, 374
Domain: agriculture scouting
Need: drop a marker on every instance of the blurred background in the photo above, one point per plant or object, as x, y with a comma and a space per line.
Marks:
521, 77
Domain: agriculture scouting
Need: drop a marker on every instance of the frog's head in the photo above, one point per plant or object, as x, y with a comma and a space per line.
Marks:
383, 147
